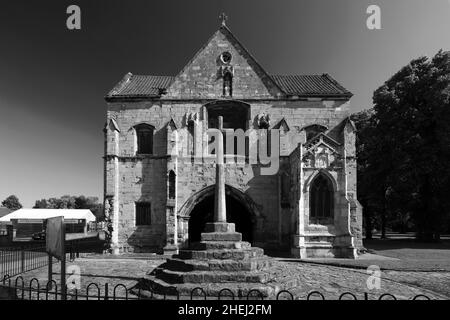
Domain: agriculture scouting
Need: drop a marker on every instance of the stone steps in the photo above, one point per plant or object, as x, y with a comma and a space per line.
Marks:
221, 236
158, 288
201, 277
235, 254
318, 244
220, 261
251, 264
210, 245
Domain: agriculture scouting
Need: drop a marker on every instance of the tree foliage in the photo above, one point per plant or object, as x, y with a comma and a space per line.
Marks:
71, 202
12, 203
403, 147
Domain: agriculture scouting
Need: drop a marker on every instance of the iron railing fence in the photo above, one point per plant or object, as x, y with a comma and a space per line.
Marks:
19, 290
18, 259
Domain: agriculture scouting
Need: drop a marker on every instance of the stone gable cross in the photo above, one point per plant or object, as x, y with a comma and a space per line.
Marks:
224, 18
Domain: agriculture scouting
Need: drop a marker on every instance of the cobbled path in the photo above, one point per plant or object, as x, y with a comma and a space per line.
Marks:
298, 277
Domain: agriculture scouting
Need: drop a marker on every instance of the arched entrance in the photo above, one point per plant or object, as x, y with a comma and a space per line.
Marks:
236, 213
199, 209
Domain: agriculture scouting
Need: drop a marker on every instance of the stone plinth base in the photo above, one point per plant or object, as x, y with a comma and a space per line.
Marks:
220, 227
323, 245
170, 250
220, 261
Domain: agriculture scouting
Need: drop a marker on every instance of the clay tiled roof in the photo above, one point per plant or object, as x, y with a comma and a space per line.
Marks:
140, 86
310, 85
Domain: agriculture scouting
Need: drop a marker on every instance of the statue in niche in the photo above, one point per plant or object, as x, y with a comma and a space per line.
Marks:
321, 160
263, 121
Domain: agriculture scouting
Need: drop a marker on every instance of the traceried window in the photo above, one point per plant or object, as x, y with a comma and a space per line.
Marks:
143, 213
144, 136
314, 130
321, 198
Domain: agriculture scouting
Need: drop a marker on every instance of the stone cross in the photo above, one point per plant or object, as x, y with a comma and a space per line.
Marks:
224, 18
220, 211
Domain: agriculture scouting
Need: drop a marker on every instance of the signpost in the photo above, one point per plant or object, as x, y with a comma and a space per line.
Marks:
55, 246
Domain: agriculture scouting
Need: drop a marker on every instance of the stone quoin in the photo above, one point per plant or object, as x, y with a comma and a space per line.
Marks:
160, 201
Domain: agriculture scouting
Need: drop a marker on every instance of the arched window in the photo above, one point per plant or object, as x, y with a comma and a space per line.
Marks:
144, 136
321, 199
314, 130
171, 184
228, 84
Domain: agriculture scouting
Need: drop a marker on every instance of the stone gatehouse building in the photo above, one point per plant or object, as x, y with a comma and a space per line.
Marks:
157, 200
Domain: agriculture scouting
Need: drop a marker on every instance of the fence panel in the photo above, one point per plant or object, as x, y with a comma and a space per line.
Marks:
34, 290
22, 258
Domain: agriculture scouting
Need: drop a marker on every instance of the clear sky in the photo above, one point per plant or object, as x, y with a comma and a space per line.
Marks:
52, 80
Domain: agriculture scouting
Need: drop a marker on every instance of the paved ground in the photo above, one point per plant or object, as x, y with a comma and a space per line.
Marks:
408, 268
331, 281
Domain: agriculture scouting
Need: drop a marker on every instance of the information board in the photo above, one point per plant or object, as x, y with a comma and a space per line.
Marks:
55, 237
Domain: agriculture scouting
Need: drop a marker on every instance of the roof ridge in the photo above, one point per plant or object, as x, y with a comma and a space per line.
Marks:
297, 74
152, 75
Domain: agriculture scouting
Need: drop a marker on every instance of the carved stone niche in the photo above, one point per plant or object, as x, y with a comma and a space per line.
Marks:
226, 69
263, 121
308, 160
191, 118
321, 157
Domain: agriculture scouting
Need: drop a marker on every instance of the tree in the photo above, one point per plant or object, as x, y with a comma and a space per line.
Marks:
12, 203
71, 202
404, 146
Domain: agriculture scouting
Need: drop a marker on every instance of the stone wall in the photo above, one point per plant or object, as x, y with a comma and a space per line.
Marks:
144, 178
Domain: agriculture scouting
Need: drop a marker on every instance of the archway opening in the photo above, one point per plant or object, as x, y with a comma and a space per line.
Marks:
237, 213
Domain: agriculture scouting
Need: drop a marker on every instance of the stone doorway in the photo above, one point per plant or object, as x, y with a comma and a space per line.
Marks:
237, 213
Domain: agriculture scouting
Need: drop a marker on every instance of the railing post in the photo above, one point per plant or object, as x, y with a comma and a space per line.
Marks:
22, 259
106, 291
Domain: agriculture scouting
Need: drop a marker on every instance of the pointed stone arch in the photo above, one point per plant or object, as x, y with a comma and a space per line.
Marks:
333, 197
185, 213
321, 198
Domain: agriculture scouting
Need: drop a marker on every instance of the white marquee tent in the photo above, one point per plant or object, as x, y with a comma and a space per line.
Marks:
42, 214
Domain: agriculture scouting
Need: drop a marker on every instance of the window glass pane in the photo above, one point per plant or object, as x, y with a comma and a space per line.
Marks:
144, 139
321, 198
143, 214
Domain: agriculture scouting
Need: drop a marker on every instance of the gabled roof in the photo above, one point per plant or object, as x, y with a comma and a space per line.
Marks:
264, 76
150, 86
140, 86
281, 123
310, 85
321, 138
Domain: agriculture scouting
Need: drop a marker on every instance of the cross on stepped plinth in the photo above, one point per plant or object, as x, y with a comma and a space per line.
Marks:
221, 260
215, 231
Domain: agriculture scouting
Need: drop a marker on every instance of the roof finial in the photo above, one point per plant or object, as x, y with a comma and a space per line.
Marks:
224, 18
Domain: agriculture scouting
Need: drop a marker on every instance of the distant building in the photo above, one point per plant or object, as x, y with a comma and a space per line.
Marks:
26, 222
3, 227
